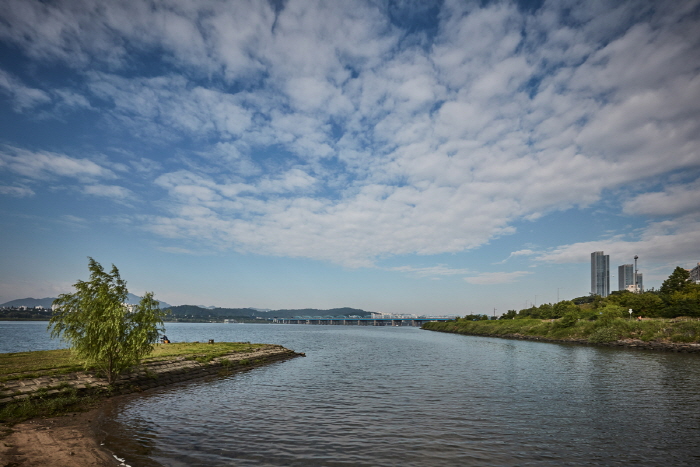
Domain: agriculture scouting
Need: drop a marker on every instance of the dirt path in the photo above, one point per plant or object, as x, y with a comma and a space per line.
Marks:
69, 440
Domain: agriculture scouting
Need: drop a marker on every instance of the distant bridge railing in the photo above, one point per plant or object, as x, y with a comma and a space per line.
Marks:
357, 321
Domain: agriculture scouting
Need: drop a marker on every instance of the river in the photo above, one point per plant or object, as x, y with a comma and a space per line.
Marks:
401, 396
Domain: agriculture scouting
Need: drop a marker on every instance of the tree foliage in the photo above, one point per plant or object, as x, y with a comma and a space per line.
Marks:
678, 296
678, 281
101, 328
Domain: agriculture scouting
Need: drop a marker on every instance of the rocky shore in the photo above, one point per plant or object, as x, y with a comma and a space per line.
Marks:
72, 440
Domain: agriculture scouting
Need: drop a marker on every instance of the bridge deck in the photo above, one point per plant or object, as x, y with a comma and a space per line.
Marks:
358, 321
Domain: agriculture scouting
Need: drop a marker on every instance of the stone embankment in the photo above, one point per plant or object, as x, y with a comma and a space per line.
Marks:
146, 376
627, 343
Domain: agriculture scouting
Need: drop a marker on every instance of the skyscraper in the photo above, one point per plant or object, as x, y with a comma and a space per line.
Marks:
640, 282
625, 276
600, 274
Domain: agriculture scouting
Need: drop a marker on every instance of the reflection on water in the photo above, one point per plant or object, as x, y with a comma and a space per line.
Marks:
402, 396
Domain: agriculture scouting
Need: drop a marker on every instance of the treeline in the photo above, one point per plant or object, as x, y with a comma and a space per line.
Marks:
33, 314
678, 296
196, 313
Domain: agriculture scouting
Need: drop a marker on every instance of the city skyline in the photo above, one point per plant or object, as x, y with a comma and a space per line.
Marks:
394, 157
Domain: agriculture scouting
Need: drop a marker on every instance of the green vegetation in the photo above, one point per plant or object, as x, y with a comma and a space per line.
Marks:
671, 315
43, 405
605, 329
24, 365
101, 328
677, 297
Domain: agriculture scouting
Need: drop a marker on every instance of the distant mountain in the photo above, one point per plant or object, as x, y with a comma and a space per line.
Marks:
197, 312
200, 312
46, 302
133, 299
30, 302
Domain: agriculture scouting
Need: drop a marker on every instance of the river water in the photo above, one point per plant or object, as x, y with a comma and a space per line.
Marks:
400, 396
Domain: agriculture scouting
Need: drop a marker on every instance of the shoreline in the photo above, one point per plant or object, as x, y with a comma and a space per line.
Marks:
74, 439
636, 344
67, 440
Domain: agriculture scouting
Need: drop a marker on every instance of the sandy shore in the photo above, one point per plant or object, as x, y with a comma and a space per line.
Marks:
69, 440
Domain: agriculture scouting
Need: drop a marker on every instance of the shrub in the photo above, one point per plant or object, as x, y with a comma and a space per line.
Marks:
569, 319
602, 335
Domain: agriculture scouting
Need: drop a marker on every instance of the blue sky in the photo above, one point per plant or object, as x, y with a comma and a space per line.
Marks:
409, 157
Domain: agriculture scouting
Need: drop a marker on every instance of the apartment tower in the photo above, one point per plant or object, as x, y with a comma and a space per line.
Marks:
600, 274
625, 276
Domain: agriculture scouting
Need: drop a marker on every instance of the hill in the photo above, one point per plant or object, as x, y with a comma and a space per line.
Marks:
46, 302
193, 312
29, 302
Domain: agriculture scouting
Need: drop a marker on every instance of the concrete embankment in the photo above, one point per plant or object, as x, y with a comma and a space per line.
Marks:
148, 375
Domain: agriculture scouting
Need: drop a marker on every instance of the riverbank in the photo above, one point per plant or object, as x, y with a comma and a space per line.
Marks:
71, 439
675, 335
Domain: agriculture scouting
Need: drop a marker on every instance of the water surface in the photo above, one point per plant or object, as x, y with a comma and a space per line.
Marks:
402, 396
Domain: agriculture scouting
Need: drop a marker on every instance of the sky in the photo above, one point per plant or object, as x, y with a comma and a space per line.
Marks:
417, 157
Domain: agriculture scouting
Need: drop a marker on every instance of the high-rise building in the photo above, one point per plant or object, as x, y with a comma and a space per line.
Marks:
625, 276
695, 274
640, 283
600, 274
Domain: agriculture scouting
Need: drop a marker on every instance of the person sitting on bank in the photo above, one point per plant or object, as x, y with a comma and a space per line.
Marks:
164, 339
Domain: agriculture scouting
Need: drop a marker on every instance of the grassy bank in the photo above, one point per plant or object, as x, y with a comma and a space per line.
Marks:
64, 398
23, 365
597, 331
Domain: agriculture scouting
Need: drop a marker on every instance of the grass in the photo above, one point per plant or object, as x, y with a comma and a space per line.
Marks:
42, 405
200, 352
676, 330
25, 365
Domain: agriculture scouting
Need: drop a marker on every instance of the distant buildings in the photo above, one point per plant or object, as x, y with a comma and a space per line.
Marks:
625, 276
625, 279
600, 274
695, 274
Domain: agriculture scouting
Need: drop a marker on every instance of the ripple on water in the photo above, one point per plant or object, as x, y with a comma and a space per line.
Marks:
398, 396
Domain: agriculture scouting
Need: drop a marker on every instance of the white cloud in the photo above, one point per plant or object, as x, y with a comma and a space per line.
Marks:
42, 165
22, 97
492, 278
668, 243
16, 191
431, 271
525, 252
115, 192
325, 131
676, 200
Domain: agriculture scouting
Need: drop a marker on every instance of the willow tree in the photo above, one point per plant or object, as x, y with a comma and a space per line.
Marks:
101, 328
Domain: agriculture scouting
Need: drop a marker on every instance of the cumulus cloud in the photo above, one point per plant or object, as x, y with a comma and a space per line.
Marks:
676, 200
330, 130
42, 165
667, 243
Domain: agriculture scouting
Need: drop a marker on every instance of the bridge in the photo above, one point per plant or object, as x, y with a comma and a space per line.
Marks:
347, 321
